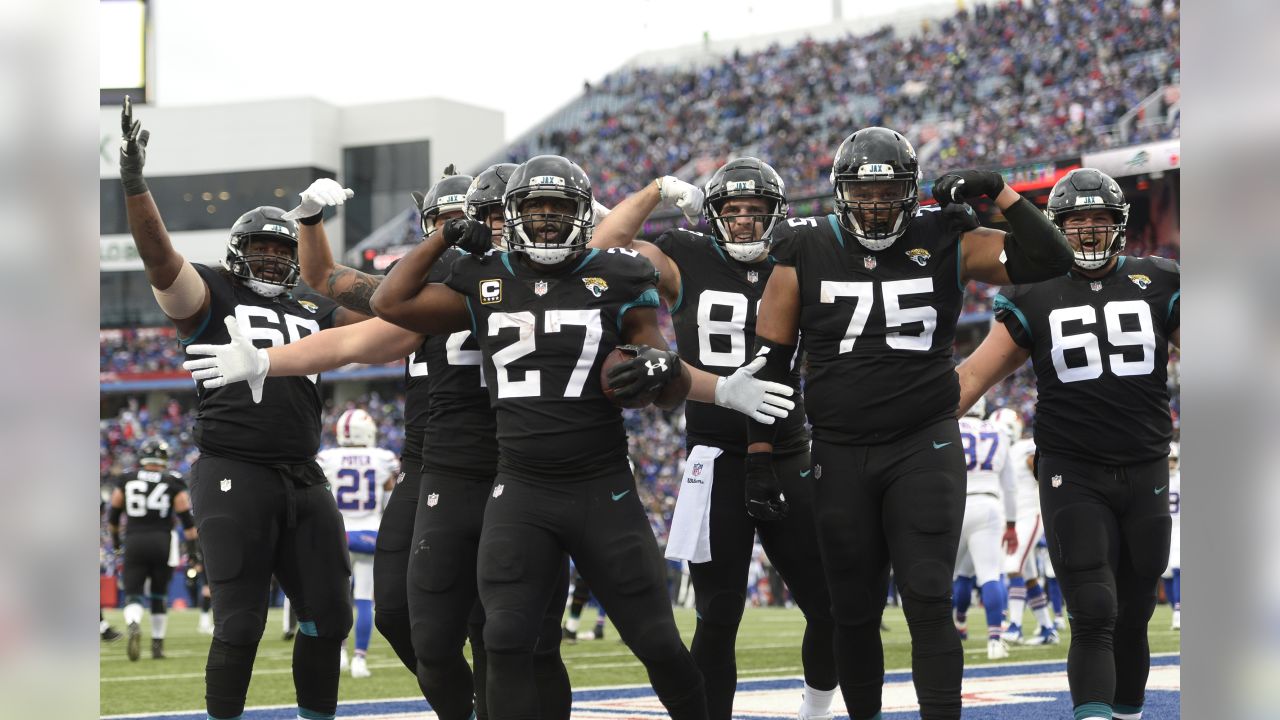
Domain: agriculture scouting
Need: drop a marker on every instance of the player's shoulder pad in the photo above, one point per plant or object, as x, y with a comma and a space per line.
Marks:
215, 277
622, 262
1165, 264
314, 303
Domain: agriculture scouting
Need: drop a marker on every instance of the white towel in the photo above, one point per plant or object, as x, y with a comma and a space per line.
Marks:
690, 536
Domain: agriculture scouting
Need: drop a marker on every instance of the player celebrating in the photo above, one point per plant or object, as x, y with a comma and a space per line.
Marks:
359, 474
150, 497
257, 492
1098, 339
712, 285
990, 485
876, 288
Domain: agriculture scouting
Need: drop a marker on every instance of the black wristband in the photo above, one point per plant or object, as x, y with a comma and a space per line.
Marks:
777, 368
312, 219
186, 519
134, 185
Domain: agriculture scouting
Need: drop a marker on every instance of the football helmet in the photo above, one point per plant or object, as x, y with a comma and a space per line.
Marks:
745, 177
153, 451
356, 428
447, 195
548, 237
876, 158
1086, 189
1007, 420
979, 409
274, 273
485, 193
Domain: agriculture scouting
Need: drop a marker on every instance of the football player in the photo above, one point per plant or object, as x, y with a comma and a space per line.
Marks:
876, 289
151, 497
257, 492
360, 473
1098, 339
1173, 574
1025, 589
712, 285
547, 312
982, 535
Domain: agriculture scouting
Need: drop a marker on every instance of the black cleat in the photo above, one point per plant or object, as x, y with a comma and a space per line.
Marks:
111, 635
598, 633
157, 648
135, 642
568, 635
288, 634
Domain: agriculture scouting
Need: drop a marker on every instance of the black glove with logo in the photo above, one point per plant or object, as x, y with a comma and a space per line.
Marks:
765, 500
647, 372
469, 235
962, 185
133, 151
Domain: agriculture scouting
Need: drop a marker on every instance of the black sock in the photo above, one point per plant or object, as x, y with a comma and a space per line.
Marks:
226, 678
554, 693
713, 652
315, 672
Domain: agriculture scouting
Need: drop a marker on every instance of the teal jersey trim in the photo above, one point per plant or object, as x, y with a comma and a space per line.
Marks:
506, 260
203, 324
836, 227
308, 627
719, 250
587, 259
1120, 262
960, 265
1004, 303
648, 298
679, 297
313, 715
474, 330
1092, 709
1169, 313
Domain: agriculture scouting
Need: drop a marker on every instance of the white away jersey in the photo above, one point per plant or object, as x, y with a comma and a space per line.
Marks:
1028, 488
357, 476
986, 452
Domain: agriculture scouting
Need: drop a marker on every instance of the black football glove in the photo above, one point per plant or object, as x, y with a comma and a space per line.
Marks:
469, 235
765, 500
647, 372
133, 151
960, 218
962, 185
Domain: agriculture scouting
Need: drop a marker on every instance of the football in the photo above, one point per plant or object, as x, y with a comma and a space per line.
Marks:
613, 358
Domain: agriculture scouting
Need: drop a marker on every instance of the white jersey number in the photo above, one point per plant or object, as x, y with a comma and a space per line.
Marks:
267, 326
1144, 337
895, 316
141, 496
526, 342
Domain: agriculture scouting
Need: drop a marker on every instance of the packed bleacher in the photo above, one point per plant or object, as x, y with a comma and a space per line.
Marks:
993, 86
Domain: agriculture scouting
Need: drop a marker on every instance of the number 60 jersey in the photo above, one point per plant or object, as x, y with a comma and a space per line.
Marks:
1100, 348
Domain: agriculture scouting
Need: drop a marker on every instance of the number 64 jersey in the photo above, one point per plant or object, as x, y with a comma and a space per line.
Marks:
1100, 347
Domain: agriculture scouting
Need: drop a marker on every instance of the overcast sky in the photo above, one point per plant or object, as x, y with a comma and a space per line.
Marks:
524, 58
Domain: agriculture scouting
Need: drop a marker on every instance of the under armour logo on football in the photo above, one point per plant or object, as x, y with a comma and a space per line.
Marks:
661, 364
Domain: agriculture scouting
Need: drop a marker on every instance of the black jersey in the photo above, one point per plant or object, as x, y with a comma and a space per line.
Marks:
148, 499
877, 327
417, 396
459, 434
1100, 348
715, 324
544, 337
285, 427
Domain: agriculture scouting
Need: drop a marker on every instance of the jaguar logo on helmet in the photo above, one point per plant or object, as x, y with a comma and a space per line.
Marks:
1142, 281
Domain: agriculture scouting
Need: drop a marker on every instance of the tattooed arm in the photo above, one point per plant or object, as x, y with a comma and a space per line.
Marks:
346, 286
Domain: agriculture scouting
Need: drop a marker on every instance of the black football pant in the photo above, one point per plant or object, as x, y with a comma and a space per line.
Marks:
255, 521
444, 607
720, 584
600, 522
391, 565
1108, 532
146, 557
902, 503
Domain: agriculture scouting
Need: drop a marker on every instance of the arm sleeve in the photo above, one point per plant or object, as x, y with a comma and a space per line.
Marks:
1007, 312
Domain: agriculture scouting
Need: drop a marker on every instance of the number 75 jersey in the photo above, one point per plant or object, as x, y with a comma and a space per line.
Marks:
1100, 347
357, 476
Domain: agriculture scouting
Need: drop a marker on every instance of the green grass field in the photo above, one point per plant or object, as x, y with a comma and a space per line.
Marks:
768, 645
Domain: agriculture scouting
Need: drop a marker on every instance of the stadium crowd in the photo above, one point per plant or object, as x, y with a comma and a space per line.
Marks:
997, 85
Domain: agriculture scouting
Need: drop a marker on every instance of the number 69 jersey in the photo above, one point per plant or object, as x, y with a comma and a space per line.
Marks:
285, 426
1100, 348
878, 326
544, 336
357, 477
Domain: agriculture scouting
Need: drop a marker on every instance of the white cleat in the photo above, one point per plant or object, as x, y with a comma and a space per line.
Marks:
206, 625
1059, 623
1012, 635
359, 667
802, 716
997, 649
343, 662
1177, 620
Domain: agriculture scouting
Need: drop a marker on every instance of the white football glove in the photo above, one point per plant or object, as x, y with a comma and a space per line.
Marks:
322, 193
760, 400
680, 194
237, 360
599, 211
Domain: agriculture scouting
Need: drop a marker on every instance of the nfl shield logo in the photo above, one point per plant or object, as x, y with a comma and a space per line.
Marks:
1096, 285
433, 499
817, 472
753, 276
225, 486
540, 288
497, 490
697, 469
1056, 480
869, 262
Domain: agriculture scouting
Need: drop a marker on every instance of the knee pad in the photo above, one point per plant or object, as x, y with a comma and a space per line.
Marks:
1092, 602
632, 570
433, 565
926, 581
509, 633
240, 628
1148, 542
655, 640
1081, 539
223, 548
723, 608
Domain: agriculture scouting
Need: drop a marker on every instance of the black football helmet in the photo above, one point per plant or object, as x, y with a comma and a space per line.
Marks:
275, 273
1085, 189
549, 176
745, 177
486, 193
876, 155
447, 195
153, 451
